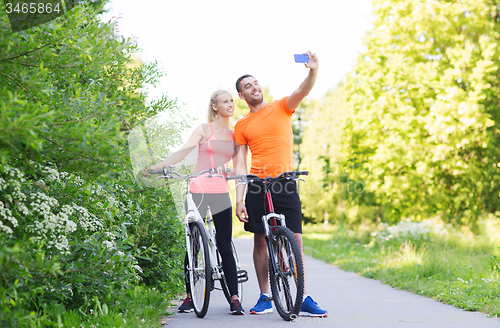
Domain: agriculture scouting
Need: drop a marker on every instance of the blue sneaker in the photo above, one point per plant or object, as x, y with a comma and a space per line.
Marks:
263, 305
311, 309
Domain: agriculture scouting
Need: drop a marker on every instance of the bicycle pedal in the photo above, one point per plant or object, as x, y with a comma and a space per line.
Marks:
242, 276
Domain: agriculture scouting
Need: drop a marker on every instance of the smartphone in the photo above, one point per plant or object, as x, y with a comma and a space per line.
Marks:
301, 58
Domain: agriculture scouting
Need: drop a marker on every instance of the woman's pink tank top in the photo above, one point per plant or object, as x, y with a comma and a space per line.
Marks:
212, 153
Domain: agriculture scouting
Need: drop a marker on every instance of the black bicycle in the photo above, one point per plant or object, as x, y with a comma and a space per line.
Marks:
286, 268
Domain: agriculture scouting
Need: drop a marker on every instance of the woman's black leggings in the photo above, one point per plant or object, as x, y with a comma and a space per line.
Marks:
222, 213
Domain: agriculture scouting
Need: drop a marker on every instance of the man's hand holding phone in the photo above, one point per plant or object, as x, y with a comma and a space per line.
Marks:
309, 59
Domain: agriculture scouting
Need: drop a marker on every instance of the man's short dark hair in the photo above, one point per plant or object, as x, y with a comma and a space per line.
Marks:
239, 80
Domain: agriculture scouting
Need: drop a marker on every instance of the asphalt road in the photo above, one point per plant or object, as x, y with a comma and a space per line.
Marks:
351, 301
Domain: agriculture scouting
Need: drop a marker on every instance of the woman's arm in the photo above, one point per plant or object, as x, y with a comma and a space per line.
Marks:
179, 155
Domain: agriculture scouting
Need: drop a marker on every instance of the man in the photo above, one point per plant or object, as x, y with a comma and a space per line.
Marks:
267, 131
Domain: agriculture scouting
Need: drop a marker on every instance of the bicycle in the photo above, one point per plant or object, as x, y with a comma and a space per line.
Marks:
204, 260
286, 268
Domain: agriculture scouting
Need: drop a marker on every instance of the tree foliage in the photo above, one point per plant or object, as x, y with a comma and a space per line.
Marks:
68, 94
424, 93
76, 230
321, 153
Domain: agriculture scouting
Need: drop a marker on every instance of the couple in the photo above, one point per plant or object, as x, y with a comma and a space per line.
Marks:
267, 130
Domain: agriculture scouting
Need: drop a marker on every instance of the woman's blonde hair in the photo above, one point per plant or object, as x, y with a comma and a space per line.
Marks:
212, 114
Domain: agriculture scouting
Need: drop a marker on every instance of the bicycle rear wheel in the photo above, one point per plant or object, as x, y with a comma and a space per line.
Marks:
200, 275
241, 280
286, 273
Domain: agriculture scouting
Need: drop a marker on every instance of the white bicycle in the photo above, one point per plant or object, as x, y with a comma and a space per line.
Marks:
204, 260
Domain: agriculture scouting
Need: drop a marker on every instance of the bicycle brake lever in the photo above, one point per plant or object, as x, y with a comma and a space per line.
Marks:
301, 179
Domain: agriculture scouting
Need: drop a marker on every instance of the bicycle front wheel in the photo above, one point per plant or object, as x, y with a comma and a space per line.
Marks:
286, 273
200, 275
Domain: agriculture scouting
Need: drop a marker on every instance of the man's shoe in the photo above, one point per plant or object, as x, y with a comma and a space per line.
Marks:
311, 309
236, 307
263, 305
187, 306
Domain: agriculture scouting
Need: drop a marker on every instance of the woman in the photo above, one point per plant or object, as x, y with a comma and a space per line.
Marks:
216, 147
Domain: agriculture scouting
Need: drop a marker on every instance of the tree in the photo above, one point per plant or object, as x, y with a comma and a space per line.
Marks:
75, 227
425, 100
68, 95
327, 189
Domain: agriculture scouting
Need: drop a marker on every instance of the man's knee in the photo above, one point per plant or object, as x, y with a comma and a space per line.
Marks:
260, 242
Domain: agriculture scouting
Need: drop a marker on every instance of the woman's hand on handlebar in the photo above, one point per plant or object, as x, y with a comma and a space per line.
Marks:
223, 170
145, 171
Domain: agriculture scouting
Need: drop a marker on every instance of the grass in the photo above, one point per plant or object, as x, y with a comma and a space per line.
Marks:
142, 307
454, 267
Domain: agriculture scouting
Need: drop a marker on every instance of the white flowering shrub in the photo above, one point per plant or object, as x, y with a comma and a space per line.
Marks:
408, 229
10, 195
101, 238
33, 204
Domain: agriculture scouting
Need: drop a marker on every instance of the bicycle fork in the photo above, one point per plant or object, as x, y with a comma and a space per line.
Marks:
190, 269
191, 216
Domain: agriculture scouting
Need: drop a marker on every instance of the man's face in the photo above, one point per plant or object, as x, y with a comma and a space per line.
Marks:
251, 91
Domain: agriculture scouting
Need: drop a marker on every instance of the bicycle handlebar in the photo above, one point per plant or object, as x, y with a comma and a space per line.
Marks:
156, 172
244, 178
168, 171
285, 175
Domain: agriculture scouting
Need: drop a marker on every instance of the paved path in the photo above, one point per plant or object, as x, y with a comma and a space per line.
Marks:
351, 301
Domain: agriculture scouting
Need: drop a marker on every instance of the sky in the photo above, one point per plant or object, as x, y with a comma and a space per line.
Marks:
206, 45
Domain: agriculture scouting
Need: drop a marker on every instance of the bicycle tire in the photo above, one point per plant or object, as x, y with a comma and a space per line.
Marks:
200, 273
223, 282
287, 283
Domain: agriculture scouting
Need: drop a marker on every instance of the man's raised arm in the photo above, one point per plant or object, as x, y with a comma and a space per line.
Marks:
296, 97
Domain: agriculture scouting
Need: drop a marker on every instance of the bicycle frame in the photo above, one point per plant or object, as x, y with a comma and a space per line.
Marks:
271, 216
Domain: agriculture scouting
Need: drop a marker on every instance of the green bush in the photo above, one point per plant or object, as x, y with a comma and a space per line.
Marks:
95, 241
155, 230
80, 240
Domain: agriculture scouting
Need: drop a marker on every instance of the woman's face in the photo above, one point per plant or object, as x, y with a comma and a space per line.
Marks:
225, 105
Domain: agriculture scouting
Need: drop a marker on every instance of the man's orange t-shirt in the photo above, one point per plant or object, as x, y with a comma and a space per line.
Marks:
268, 134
